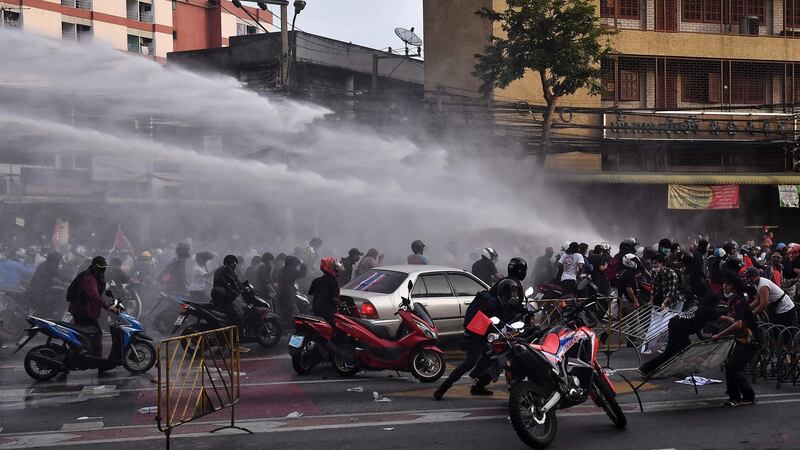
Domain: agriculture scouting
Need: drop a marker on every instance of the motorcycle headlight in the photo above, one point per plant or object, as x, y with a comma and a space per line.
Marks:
426, 330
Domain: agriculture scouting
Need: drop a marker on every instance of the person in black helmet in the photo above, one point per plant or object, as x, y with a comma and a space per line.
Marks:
417, 258
517, 271
86, 302
349, 264
226, 290
508, 294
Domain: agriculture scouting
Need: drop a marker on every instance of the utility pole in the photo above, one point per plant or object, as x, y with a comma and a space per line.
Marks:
284, 45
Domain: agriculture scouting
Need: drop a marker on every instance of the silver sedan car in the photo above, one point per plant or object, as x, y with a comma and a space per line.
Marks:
444, 291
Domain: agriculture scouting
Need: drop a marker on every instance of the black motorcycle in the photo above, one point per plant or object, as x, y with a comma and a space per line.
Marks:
261, 324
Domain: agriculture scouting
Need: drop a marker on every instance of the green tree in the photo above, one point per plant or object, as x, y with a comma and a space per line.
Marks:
561, 40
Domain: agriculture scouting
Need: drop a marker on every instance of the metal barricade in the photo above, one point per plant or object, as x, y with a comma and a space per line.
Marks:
645, 324
198, 374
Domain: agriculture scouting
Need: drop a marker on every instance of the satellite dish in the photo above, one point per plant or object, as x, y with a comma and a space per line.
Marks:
408, 36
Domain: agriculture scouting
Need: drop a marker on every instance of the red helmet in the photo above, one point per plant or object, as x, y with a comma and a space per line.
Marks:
330, 265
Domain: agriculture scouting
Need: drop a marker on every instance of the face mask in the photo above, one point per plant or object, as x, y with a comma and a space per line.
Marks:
665, 251
728, 294
656, 269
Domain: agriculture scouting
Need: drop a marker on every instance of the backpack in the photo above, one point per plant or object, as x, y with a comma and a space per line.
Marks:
611, 271
74, 287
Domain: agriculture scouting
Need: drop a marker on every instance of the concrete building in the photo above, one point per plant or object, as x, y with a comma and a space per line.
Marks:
348, 78
150, 27
699, 92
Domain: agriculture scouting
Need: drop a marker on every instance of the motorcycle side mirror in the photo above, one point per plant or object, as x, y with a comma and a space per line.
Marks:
516, 326
495, 321
529, 292
410, 286
109, 293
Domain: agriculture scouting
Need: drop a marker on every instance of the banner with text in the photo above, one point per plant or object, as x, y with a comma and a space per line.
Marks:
681, 196
789, 196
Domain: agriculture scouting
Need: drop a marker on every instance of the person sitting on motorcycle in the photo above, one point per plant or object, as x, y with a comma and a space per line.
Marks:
226, 290
87, 302
508, 294
46, 277
325, 290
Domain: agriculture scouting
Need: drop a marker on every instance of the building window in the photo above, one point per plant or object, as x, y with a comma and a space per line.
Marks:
143, 45
748, 89
708, 11
700, 85
243, 29
140, 11
742, 8
629, 86
75, 32
628, 9
10, 18
607, 79
80, 4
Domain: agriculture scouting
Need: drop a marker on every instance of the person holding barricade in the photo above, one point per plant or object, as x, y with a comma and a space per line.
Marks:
744, 326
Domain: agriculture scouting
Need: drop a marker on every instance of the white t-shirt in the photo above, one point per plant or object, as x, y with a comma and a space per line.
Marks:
198, 280
776, 294
570, 263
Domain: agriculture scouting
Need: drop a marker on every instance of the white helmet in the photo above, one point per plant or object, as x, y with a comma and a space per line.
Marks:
489, 253
719, 252
565, 245
605, 246
630, 261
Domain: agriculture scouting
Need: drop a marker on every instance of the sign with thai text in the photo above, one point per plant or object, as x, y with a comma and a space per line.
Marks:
789, 196
705, 127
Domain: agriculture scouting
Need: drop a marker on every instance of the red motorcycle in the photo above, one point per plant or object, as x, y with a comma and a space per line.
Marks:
360, 344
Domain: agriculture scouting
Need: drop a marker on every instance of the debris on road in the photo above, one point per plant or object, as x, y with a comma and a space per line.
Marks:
87, 418
148, 410
378, 397
700, 381
388, 429
356, 389
294, 415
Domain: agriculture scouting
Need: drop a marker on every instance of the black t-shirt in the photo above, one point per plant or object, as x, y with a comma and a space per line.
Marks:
485, 270
696, 317
597, 260
739, 309
788, 268
324, 289
626, 279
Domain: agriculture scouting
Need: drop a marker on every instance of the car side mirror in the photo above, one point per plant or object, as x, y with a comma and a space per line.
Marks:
109, 293
529, 292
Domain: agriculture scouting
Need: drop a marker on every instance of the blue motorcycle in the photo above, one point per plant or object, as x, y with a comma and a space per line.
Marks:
130, 347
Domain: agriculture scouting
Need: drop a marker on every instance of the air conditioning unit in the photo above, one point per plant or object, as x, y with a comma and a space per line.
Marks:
748, 25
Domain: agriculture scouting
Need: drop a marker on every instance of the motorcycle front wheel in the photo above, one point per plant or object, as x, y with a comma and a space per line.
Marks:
139, 357
303, 359
534, 429
427, 366
41, 371
606, 400
269, 333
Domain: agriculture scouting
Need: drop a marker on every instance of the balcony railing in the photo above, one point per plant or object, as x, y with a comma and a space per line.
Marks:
141, 16
80, 4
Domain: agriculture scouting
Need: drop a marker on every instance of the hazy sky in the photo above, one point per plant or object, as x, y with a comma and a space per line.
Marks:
364, 22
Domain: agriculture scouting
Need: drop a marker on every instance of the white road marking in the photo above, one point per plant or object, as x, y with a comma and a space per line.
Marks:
80, 426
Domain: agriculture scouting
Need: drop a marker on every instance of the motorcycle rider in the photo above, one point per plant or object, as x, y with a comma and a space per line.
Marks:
348, 264
226, 290
293, 269
508, 294
325, 290
115, 273
417, 258
517, 270
485, 268
85, 301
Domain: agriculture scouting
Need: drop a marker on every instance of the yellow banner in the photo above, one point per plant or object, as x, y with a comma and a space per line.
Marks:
681, 196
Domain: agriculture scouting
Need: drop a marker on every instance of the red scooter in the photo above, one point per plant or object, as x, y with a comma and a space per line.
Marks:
360, 344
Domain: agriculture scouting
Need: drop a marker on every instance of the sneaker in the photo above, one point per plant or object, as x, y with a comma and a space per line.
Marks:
438, 395
748, 402
480, 391
243, 349
647, 352
730, 404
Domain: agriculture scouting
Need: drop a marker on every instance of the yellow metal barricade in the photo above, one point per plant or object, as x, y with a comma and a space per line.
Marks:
198, 374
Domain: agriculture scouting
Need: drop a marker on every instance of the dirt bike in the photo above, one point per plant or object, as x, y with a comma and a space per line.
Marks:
559, 371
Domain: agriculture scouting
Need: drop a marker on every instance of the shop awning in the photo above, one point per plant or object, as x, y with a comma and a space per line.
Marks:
674, 178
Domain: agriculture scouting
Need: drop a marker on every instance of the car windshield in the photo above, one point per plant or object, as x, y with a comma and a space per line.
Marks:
378, 281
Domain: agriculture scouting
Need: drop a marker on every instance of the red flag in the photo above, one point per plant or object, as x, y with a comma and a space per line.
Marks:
479, 324
121, 242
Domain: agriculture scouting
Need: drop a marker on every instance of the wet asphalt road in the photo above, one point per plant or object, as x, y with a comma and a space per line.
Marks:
83, 410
